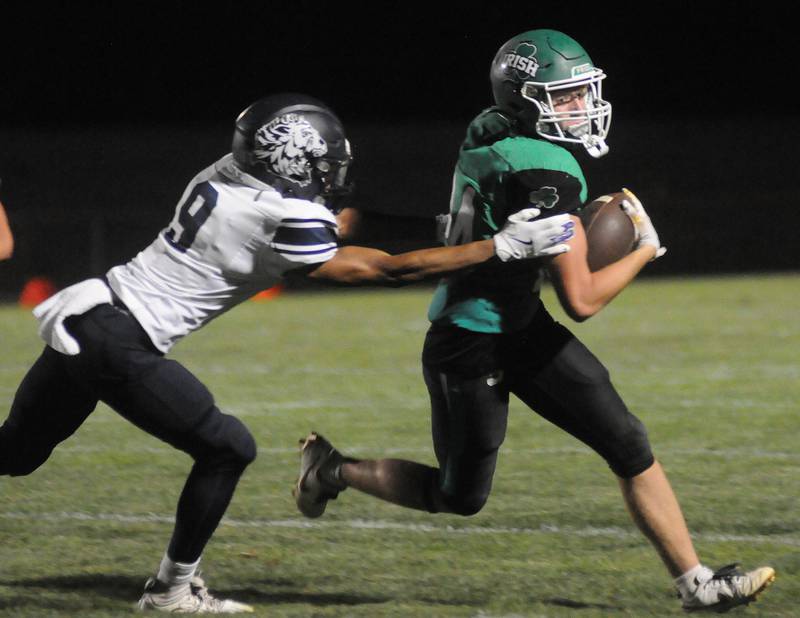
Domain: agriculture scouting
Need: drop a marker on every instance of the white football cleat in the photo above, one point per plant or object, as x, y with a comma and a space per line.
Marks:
194, 599
728, 588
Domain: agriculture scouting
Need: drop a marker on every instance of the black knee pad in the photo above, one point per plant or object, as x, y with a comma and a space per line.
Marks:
23, 467
6, 456
629, 454
222, 439
17, 458
16, 463
467, 503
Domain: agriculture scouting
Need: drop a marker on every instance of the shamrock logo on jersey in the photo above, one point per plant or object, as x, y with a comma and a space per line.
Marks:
522, 62
287, 142
546, 197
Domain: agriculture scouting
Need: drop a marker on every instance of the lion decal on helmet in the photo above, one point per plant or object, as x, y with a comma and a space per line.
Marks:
286, 143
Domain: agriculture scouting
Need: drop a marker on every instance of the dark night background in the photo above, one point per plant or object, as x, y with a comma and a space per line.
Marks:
109, 108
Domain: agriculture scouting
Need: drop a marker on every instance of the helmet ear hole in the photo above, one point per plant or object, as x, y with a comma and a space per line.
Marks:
242, 150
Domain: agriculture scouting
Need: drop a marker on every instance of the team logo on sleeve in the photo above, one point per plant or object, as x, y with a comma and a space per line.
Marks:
546, 197
521, 62
285, 143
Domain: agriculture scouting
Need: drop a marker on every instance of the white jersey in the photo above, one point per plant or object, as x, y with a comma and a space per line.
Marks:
232, 236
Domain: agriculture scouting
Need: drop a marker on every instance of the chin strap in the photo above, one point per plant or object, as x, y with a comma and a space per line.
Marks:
595, 146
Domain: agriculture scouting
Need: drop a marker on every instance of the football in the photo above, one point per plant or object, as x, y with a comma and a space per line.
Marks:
610, 235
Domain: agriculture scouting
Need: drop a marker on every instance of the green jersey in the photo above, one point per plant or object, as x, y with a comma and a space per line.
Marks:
498, 173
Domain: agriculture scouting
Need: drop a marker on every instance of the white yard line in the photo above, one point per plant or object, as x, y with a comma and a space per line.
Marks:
364, 524
725, 453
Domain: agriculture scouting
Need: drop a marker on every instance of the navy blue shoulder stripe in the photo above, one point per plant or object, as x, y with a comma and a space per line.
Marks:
323, 221
304, 252
304, 236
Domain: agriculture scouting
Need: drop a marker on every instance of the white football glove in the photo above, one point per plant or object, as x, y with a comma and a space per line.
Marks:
645, 231
523, 237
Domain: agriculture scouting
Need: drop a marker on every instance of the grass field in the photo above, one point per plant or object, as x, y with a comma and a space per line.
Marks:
712, 365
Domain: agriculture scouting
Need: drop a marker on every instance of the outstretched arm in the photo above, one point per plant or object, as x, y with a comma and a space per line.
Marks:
361, 265
522, 237
6, 238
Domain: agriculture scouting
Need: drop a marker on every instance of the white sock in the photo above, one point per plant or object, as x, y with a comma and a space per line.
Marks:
176, 574
689, 581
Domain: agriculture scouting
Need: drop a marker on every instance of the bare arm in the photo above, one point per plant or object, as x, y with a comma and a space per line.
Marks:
361, 265
6, 238
583, 293
522, 237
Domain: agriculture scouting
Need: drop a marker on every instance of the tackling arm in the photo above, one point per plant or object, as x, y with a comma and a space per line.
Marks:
361, 265
522, 237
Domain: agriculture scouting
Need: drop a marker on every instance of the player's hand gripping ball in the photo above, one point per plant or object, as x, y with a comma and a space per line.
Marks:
610, 233
646, 234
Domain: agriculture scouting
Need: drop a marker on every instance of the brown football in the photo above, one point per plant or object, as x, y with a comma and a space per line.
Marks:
609, 231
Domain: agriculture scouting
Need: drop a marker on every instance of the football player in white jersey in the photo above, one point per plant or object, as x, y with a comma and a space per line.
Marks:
266, 210
6, 237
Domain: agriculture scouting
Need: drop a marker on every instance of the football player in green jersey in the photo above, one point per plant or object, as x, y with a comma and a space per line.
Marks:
490, 334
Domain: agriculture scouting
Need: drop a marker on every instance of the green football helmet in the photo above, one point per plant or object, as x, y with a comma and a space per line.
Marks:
536, 69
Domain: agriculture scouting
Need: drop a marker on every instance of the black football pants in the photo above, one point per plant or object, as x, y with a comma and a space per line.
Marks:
552, 372
119, 366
